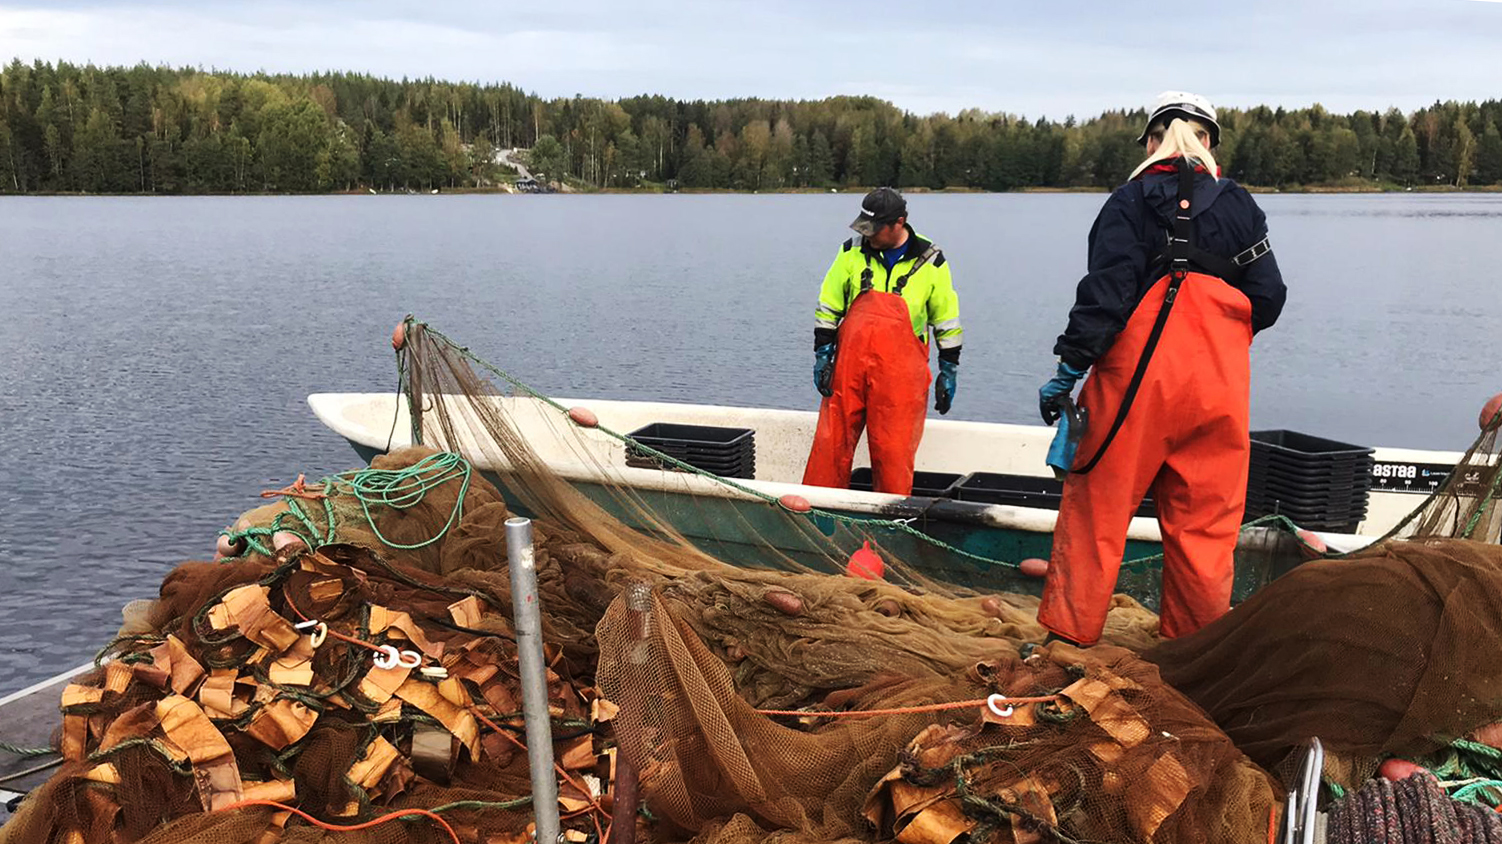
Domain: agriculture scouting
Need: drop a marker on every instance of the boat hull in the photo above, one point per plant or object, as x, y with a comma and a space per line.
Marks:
749, 532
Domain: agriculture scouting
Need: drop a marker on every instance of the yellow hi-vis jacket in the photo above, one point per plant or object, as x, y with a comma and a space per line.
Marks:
921, 278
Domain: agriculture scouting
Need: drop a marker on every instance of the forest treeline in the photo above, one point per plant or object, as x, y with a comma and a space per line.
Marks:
145, 129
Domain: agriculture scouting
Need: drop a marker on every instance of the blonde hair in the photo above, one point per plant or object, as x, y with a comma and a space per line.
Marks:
1181, 137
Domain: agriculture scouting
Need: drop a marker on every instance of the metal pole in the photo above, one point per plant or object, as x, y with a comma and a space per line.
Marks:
528, 617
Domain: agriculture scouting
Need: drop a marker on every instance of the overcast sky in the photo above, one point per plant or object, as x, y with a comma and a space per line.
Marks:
1038, 58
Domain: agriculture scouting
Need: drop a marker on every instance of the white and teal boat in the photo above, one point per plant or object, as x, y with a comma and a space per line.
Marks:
941, 536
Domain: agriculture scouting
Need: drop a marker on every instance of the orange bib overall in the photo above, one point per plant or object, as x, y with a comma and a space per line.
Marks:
880, 384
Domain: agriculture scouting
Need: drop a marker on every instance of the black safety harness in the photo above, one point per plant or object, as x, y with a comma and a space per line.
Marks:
1180, 256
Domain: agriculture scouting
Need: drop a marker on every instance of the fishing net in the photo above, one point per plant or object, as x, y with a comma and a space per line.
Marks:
1465, 505
1389, 652
722, 689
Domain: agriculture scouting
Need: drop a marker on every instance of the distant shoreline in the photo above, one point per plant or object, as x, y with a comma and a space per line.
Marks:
1364, 189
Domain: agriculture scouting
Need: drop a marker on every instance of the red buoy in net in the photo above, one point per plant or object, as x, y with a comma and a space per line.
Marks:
399, 335
583, 417
1489, 412
866, 563
1398, 769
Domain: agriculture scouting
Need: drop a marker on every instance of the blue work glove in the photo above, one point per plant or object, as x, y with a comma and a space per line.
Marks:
1062, 384
1066, 441
824, 369
944, 385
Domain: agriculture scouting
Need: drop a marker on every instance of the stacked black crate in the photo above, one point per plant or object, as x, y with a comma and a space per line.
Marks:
1317, 483
727, 452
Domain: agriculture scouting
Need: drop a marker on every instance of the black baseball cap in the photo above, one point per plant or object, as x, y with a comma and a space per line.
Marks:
881, 207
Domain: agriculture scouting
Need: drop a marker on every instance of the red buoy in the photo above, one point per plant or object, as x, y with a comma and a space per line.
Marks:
1398, 769
399, 336
1489, 412
796, 503
583, 417
1314, 547
866, 563
1034, 567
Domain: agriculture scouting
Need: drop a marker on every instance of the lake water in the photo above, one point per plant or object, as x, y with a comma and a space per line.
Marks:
156, 352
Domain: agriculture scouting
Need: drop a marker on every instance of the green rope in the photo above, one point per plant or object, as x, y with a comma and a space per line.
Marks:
1477, 748
1469, 792
17, 750
483, 804
401, 489
180, 768
865, 522
396, 489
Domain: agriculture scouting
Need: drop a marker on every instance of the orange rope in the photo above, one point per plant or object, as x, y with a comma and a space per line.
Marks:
351, 828
584, 790
906, 710
332, 632
297, 489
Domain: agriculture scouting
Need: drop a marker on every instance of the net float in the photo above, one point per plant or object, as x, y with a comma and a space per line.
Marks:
283, 539
399, 336
784, 602
583, 417
1489, 412
1398, 769
795, 503
228, 547
1034, 567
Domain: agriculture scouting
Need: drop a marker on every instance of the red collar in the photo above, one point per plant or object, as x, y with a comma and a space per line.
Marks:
1169, 165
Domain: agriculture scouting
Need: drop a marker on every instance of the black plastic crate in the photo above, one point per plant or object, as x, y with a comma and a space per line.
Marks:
1356, 479
672, 437
1312, 472
926, 484
1304, 447
736, 469
1317, 497
727, 452
1333, 525
1306, 511
1023, 491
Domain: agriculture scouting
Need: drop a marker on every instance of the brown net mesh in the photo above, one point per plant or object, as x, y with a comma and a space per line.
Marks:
1464, 507
669, 666
1389, 652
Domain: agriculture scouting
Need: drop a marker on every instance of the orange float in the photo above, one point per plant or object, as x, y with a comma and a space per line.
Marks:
1034, 567
865, 563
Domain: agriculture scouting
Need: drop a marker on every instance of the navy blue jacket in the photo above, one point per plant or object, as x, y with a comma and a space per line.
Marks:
1127, 240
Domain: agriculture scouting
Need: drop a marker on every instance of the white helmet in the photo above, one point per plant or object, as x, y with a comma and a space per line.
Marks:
1173, 104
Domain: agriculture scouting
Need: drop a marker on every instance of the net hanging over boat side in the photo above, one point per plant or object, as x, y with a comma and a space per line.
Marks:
1465, 505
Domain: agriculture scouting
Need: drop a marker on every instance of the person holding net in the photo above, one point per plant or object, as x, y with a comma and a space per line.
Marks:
880, 299
1180, 278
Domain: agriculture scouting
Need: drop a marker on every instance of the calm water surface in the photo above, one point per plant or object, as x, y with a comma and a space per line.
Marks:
156, 353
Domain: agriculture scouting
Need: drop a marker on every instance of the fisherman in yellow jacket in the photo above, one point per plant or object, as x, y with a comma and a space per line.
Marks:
886, 292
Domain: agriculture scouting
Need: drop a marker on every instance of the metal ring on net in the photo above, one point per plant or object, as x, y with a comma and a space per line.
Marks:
994, 703
387, 658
